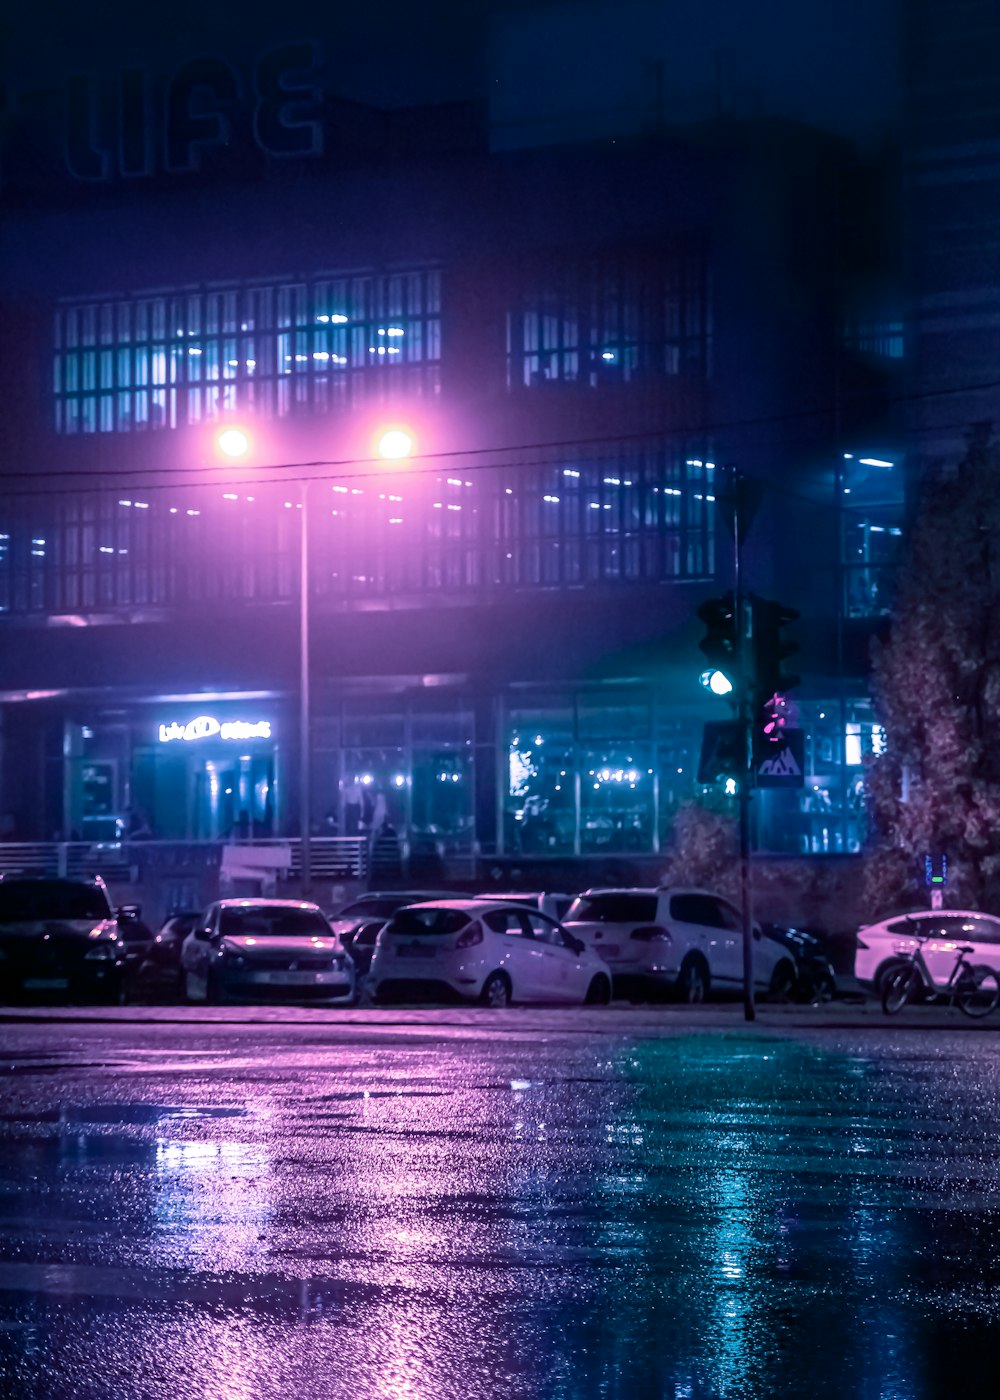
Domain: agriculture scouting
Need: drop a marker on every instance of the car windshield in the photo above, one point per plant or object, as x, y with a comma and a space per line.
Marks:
22, 901
615, 908
273, 921
421, 920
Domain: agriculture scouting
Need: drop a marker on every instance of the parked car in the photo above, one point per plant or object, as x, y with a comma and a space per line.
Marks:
880, 946
555, 905
60, 938
815, 977
358, 923
265, 950
137, 937
477, 950
159, 972
687, 942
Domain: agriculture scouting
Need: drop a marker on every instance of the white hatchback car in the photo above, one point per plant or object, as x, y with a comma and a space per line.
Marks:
481, 951
881, 945
683, 941
265, 950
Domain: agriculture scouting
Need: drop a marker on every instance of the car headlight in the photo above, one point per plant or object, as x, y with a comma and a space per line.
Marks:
102, 952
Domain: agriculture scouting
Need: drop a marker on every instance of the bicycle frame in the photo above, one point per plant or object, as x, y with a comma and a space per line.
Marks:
917, 960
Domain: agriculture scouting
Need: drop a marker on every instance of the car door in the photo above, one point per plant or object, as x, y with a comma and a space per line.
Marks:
512, 949
732, 941
556, 970
699, 922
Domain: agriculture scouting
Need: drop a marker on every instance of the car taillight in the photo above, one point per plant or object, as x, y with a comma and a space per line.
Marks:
652, 933
470, 937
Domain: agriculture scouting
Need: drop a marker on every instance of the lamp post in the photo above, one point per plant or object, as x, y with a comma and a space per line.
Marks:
305, 719
392, 443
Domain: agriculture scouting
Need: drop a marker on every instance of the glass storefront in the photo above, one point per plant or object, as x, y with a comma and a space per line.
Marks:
596, 772
826, 816
171, 772
590, 771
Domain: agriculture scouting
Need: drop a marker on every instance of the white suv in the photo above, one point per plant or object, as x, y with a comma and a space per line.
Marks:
880, 946
686, 941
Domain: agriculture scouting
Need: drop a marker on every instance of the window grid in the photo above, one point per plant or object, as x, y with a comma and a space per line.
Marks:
644, 515
612, 317
177, 358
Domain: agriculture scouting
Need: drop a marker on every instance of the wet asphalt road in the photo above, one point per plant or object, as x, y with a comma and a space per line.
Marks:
513, 1207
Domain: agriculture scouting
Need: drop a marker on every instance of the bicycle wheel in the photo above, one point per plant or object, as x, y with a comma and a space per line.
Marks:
978, 991
898, 987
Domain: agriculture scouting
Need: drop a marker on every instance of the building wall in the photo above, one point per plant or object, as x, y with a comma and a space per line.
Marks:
616, 326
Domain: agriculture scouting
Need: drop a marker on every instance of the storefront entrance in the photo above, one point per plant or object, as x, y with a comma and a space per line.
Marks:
208, 777
231, 799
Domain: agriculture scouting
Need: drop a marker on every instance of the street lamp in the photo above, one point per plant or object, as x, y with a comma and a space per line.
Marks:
233, 443
392, 443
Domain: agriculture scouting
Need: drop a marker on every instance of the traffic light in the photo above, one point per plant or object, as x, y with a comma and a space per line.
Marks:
719, 643
775, 719
770, 649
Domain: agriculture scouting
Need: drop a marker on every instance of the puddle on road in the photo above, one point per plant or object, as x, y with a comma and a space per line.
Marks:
692, 1220
125, 1115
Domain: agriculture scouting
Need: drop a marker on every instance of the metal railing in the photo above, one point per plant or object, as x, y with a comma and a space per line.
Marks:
333, 857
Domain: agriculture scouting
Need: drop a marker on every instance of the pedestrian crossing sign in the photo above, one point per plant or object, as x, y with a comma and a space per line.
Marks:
782, 764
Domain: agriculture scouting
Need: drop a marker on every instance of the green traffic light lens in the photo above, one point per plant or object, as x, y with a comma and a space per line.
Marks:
717, 682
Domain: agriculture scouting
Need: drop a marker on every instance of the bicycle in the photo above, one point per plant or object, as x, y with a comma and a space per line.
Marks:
975, 990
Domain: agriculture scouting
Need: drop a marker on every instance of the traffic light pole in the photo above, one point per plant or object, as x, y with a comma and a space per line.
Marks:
744, 623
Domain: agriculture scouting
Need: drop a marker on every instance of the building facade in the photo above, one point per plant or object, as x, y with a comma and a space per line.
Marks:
582, 341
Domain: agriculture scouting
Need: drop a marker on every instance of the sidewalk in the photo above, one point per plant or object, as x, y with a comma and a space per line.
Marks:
613, 1020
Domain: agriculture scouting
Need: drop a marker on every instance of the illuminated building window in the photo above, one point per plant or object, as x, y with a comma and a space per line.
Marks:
177, 358
612, 317
633, 514
871, 504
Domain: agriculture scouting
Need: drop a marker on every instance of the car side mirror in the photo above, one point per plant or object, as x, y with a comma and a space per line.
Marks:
576, 944
128, 911
203, 935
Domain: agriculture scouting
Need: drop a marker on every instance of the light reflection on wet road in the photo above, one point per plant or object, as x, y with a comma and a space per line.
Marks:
703, 1215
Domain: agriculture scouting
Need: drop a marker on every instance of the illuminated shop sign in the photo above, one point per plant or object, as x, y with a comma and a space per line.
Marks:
208, 727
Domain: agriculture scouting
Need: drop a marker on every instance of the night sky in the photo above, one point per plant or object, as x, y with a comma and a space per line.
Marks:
833, 62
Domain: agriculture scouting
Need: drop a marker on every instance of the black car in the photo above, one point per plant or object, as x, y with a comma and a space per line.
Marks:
358, 923
159, 972
59, 939
815, 980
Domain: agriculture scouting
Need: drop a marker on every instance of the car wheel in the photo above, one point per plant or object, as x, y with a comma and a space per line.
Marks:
496, 990
599, 992
782, 982
692, 984
814, 987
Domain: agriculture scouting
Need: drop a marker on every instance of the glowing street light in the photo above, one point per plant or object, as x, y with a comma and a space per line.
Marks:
233, 443
394, 443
